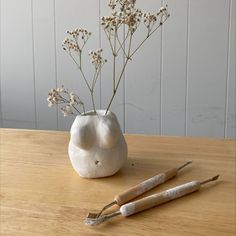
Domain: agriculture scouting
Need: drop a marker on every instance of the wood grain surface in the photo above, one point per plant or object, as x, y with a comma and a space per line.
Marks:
42, 195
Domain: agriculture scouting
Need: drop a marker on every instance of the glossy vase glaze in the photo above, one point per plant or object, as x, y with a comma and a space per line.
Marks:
97, 147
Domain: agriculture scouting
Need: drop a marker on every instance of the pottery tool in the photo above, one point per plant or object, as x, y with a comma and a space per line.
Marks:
141, 188
151, 201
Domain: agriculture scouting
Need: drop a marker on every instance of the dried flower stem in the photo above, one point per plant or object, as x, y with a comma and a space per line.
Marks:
122, 44
81, 70
109, 40
123, 14
67, 101
79, 66
114, 61
55, 97
121, 74
149, 34
132, 26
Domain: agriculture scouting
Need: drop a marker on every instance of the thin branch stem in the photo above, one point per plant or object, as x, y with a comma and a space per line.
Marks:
88, 86
67, 101
83, 108
81, 103
80, 60
109, 39
149, 34
84, 44
114, 61
83, 75
121, 74
79, 67
95, 78
76, 109
94, 108
122, 44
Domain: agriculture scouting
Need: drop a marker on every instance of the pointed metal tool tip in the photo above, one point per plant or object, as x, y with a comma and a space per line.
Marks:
211, 179
98, 220
215, 177
185, 164
92, 215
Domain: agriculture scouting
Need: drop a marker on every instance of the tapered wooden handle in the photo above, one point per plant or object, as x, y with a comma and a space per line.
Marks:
159, 198
145, 186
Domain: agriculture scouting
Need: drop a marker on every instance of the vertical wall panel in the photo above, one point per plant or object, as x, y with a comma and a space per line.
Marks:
207, 67
174, 68
84, 14
107, 73
17, 75
142, 93
1, 121
231, 103
44, 58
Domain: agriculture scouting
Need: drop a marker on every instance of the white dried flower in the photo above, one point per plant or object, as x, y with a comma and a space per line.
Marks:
74, 99
149, 18
163, 12
62, 96
67, 110
76, 39
96, 58
53, 97
50, 104
112, 4
110, 22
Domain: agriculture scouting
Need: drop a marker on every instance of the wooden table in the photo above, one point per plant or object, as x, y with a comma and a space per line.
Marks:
42, 195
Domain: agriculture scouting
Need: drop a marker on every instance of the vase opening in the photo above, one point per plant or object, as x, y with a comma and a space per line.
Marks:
98, 112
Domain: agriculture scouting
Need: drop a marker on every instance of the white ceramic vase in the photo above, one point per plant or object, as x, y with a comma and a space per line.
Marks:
97, 147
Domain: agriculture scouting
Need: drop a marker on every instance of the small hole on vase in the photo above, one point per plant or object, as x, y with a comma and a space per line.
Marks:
97, 162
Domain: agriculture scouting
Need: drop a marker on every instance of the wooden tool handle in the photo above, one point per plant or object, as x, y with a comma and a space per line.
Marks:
159, 198
146, 185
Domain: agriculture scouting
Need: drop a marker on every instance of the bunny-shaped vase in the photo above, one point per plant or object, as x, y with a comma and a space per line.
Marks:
97, 147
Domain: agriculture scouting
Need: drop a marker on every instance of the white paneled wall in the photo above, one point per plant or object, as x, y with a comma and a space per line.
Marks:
207, 66
143, 82
182, 82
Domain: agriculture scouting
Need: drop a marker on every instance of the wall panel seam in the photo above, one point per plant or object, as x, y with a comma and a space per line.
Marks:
33, 62
55, 54
187, 68
100, 45
161, 77
227, 71
124, 86
161, 81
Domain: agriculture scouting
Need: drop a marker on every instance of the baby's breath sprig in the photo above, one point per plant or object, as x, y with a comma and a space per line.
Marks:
96, 58
125, 17
98, 62
125, 13
76, 40
153, 24
70, 101
75, 43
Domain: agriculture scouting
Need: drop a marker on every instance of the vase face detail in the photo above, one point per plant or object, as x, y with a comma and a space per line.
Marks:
97, 147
